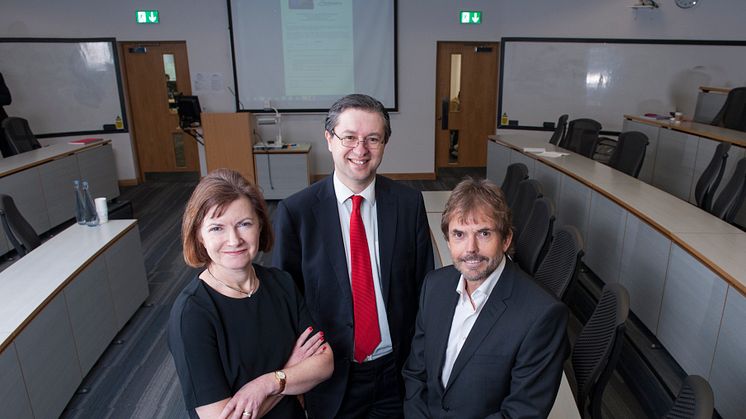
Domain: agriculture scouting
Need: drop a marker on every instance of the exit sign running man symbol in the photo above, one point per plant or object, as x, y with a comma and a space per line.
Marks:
147, 16
471, 17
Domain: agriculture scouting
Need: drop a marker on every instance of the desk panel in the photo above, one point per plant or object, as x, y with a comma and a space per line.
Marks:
126, 270
574, 205
550, 182
692, 307
25, 189
57, 178
518, 157
643, 270
646, 172
498, 160
674, 165
46, 350
603, 249
13, 396
728, 369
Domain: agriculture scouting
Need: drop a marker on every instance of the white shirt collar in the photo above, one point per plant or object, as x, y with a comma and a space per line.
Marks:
481, 294
344, 193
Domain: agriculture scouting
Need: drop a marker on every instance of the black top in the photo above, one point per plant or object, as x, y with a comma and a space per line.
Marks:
220, 343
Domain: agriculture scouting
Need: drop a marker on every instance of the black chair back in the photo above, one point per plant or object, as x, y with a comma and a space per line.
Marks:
20, 233
731, 198
630, 152
733, 113
710, 178
534, 240
516, 173
562, 261
529, 190
559, 130
694, 401
19, 136
582, 136
598, 346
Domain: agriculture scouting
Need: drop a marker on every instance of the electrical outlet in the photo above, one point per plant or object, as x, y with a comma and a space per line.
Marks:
267, 104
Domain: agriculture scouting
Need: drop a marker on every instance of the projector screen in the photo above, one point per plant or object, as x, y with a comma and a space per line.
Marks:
302, 55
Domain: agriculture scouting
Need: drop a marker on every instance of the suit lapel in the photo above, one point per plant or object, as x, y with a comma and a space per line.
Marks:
386, 208
327, 218
443, 318
488, 317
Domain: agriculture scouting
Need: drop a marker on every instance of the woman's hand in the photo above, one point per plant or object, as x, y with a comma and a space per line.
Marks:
247, 402
306, 347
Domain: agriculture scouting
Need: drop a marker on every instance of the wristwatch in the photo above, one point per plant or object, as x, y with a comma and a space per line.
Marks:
280, 376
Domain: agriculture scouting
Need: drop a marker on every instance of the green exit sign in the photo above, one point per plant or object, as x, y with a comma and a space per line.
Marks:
147, 16
470, 17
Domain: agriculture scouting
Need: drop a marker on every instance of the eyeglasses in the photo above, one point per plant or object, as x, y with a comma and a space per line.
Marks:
351, 141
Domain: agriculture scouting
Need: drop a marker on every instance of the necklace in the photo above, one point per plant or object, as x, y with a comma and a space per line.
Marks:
239, 290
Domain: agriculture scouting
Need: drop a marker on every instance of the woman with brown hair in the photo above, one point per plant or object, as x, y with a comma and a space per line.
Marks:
240, 334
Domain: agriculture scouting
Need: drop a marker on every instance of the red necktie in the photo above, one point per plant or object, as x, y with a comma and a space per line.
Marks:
367, 332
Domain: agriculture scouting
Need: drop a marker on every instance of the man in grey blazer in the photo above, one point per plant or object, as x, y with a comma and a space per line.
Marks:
489, 342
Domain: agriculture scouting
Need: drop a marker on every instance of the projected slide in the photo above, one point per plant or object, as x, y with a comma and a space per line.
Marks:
303, 55
318, 58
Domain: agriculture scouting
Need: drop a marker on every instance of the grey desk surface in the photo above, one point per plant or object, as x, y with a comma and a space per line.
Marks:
30, 283
717, 244
13, 164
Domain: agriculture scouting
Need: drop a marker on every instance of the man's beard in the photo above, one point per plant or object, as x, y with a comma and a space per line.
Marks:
471, 275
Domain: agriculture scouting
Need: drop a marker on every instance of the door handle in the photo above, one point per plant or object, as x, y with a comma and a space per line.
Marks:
444, 109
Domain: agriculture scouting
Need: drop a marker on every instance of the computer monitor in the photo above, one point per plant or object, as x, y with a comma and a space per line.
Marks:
189, 110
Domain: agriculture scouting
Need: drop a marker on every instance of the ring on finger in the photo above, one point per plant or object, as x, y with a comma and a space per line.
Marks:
246, 413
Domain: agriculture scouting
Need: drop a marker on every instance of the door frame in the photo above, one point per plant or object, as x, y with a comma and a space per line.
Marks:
185, 87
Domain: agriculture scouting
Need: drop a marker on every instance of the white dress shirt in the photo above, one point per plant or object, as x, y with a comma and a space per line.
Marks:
466, 314
370, 220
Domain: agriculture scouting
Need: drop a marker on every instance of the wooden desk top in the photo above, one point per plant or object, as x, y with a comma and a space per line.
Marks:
693, 229
299, 148
28, 285
23, 161
702, 130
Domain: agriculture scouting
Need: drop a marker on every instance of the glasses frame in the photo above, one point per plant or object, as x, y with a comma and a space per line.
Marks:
364, 140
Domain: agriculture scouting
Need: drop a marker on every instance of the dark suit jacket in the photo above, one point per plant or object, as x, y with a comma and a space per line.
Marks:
309, 246
511, 363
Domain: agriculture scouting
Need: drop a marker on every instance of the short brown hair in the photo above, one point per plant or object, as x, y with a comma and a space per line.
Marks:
219, 189
473, 195
363, 103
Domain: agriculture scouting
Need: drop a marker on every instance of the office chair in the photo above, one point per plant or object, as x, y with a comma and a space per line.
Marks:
562, 261
20, 233
529, 190
598, 347
710, 178
629, 153
532, 244
731, 198
581, 134
516, 173
733, 113
19, 137
694, 401
559, 130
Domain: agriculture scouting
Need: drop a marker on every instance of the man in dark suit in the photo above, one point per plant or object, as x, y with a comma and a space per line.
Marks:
489, 342
358, 246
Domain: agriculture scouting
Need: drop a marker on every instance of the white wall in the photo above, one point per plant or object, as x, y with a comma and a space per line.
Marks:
204, 26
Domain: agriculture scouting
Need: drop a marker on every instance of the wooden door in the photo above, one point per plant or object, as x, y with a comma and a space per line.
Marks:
155, 72
466, 94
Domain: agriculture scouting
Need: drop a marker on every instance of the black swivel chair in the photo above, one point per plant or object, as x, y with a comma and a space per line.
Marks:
629, 152
20, 233
18, 136
710, 178
516, 173
559, 130
534, 239
529, 191
694, 401
598, 347
562, 261
731, 198
582, 136
733, 113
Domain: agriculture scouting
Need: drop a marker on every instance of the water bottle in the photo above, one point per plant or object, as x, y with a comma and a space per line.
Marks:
79, 206
91, 218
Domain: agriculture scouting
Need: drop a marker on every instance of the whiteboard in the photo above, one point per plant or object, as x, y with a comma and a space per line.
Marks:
605, 79
63, 86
